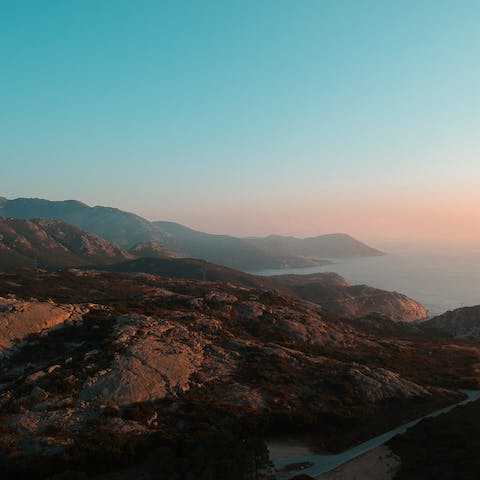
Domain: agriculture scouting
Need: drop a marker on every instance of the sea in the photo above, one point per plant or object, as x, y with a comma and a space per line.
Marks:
439, 280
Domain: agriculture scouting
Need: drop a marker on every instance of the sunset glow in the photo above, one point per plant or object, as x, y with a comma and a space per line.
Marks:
358, 117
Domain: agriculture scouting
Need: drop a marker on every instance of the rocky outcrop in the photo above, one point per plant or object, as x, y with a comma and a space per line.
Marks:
352, 301
378, 384
461, 322
19, 318
158, 358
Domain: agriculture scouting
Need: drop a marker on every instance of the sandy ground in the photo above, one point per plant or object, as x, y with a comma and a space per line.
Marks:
284, 447
378, 464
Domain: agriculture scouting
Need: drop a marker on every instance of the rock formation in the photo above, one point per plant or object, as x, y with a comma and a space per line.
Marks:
352, 301
20, 318
461, 323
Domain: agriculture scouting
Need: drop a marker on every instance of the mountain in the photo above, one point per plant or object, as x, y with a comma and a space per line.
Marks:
130, 230
335, 245
284, 252
125, 229
460, 323
351, 301
53, 243
227, 250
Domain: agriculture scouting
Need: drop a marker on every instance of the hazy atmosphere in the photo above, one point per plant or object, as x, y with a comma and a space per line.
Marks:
249, 117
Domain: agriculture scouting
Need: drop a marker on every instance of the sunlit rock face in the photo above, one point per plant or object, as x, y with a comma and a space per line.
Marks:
19, 318
157, 359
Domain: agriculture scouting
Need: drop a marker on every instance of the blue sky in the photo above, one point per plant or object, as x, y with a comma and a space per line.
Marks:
248, 117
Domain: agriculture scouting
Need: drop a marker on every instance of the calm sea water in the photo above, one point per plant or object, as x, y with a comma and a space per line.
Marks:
440, 281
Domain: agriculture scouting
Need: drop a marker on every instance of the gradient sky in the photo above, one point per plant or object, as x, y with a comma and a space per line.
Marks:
251, 116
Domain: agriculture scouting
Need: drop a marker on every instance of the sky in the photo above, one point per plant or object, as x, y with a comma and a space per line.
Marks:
249, 117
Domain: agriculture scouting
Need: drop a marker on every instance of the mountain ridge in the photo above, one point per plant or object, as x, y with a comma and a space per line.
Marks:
53, 243
128, 229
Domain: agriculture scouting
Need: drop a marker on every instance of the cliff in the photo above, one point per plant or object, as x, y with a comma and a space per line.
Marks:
351, 301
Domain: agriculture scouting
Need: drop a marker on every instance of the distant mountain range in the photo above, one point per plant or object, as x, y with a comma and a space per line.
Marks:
334, 245
164, 239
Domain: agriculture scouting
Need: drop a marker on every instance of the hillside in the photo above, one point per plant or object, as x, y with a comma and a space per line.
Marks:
125, 229
351, 301
53, 243
222, 249
190, 269
329, 290
154, 368
336, 245
461, 323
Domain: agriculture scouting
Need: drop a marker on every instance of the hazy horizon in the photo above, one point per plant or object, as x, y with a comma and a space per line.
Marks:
250, 118
387, 245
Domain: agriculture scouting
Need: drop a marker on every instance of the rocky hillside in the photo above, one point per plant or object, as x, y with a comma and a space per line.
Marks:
112, 224
44, 242
329, 290
176, 358
351, 301
461, 322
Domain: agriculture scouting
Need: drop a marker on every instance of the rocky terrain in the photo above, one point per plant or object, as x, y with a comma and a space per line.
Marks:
53, 243
352, 301
460, 323
329, 290
183, 359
